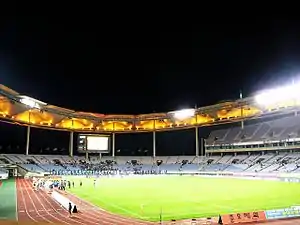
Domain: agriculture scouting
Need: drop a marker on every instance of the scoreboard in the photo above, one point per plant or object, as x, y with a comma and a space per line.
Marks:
94, 143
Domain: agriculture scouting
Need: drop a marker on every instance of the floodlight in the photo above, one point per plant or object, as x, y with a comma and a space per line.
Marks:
183, 114
278, 95
31, 102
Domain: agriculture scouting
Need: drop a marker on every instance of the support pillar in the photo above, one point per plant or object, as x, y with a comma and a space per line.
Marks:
242, 117
71, 144
242, 111
113, 144
154, 139
203, 147
86, 156
197, 140
27, 140
154, 144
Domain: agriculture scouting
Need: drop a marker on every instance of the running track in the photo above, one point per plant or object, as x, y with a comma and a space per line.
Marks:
39, 207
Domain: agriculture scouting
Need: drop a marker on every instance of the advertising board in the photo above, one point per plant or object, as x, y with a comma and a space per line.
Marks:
283, 213
247, 217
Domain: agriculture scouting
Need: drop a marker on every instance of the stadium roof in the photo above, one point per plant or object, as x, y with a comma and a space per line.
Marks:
23, 110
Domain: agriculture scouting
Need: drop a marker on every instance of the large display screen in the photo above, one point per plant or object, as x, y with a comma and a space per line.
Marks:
93, 143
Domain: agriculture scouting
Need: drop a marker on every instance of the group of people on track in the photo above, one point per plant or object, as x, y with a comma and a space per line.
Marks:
61, 185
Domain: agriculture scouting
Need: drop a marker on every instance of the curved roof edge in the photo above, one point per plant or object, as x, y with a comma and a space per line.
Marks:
19, 109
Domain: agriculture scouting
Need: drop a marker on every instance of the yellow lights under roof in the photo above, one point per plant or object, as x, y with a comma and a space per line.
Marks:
29, 111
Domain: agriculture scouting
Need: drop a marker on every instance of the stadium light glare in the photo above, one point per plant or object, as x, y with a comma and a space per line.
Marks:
31, 102
183, 114
278, 95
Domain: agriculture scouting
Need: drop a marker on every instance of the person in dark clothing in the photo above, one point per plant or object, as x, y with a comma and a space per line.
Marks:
75, 209
80, 183
73, 184
70, 208
69, 184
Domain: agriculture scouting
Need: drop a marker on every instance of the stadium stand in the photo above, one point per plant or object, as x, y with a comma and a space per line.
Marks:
268, 163
283, 157
278, 129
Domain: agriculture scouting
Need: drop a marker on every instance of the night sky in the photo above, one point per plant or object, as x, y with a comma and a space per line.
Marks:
141, 67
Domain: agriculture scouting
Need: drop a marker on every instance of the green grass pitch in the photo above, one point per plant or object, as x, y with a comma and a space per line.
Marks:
184, 197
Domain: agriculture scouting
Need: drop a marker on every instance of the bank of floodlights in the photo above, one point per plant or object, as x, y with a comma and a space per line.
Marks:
31, 102
183, 114
279, 95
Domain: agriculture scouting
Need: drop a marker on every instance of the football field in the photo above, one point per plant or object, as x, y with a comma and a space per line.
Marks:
184, 197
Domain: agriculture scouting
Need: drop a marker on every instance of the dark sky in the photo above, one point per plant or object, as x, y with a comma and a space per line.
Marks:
142, 66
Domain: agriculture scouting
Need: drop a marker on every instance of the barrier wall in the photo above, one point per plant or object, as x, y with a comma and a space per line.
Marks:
30, 175
286, 213
261, 216
248, 217
286, 177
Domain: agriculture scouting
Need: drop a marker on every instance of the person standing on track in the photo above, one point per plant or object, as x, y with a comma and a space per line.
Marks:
70, 209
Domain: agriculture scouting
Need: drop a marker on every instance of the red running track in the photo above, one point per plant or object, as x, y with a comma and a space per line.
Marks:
38, 206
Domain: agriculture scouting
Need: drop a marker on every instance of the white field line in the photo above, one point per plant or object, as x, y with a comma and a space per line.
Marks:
121, 208
98, 207
164, 214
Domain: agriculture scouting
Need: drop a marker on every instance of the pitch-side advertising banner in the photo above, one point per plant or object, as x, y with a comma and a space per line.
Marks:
283, 213
248, 217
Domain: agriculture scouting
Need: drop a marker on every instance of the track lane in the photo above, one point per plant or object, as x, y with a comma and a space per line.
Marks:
23, 208
38, 206
30, 209
60, 212
281, 222
82, 217
53, 212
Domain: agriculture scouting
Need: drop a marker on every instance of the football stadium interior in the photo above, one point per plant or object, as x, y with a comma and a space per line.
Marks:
246, 170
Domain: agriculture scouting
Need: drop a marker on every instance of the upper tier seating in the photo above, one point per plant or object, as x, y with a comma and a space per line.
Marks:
278, 129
